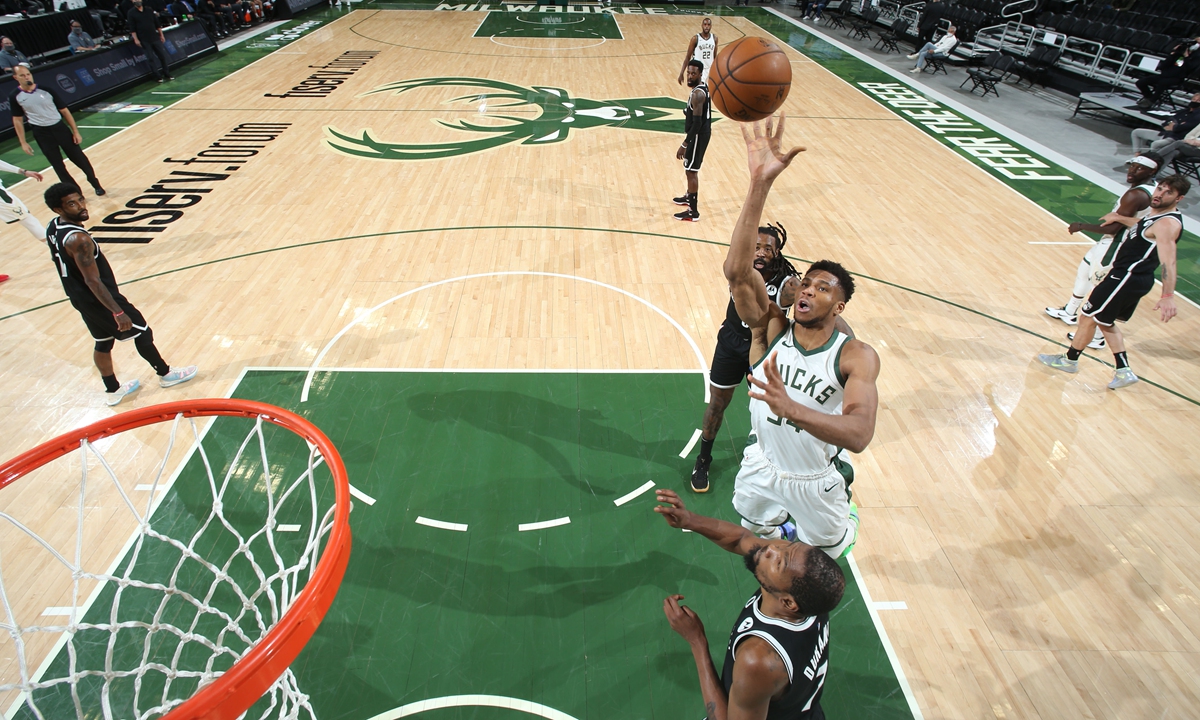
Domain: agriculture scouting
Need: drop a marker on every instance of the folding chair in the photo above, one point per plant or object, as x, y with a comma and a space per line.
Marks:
892, 36
861, 28
997, 67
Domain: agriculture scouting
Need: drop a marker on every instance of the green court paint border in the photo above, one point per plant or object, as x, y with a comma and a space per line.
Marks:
888, 283
1075, 199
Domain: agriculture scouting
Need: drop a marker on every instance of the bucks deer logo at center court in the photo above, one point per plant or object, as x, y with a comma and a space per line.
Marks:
557, 115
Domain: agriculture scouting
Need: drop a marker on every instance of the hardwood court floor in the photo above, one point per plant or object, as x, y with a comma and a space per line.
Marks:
1038, 526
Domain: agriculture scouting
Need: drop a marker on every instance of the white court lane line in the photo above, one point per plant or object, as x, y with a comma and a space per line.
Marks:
362, 495
884, 605
1060, 242
523, 527
691, 444
496, 701
626, 498
316, 364
58, 611
458, 527
287, 528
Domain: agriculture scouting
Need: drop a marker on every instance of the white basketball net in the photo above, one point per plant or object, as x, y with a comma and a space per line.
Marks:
169, 631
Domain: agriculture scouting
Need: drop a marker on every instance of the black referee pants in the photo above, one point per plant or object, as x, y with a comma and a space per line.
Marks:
54, 141
156, 55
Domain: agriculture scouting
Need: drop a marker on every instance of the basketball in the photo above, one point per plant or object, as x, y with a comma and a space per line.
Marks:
750, 79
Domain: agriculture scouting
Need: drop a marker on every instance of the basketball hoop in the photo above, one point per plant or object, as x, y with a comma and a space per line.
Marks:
289, 579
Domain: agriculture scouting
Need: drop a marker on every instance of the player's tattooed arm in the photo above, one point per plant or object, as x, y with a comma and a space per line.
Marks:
1166, 233
81, 247
766, 159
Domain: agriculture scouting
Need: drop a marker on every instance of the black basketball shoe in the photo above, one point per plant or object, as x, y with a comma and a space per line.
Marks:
700, 475
681, 200
688, 215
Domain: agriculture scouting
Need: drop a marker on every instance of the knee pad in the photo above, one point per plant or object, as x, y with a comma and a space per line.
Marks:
146, 337
104, 346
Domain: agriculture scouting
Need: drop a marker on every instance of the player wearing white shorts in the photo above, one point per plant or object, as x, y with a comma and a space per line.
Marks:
813, 391
703, 48
1139, 173
12, 210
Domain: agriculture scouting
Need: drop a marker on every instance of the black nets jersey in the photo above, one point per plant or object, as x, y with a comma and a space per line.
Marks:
736, 334
701, 123
57, 234
804, 648
1137, 253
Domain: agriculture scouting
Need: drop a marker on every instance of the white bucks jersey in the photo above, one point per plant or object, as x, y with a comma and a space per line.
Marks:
705, 51
1149, 190
814, 379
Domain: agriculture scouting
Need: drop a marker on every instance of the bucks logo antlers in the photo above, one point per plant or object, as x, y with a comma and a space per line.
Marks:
559, 115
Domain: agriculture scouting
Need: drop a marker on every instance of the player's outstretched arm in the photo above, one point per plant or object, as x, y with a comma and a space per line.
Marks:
854, 428
766, 160
734, 538
1119, 219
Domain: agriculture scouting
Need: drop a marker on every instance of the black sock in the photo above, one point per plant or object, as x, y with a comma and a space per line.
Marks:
706, 448
110, 383
1122, 361
1073, 354
693, 201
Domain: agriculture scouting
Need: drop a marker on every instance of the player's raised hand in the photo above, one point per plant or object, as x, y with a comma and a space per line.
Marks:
773, 391
684, 620
764, 148
672, 509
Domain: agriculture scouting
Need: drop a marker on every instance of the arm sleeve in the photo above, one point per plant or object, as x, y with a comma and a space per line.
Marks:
9, 167
17, 110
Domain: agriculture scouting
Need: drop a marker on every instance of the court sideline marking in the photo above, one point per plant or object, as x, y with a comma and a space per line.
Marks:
1004, 131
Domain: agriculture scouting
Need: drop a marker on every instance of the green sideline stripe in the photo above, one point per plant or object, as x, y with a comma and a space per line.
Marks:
311, 243
1073, 199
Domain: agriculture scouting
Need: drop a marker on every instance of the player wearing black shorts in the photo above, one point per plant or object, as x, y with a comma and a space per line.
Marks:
778, 653
90, 285
1149, 242
697, 122
731, 358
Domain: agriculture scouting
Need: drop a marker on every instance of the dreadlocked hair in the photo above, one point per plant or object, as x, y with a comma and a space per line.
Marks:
780, 263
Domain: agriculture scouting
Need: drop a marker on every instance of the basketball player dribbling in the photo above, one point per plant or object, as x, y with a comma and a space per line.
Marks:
813, 388
703, 47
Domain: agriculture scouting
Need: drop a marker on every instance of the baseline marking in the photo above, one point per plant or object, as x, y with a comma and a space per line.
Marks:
362, 316
884, 605
1063, 242
626, 498
442, 525
57, 611
525, 527
691, 444
287, 528
497, 701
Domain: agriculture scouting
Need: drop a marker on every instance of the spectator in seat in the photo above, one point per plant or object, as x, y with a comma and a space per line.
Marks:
930, 17
217, 23
1180, 124
10, 56
1182, 62
79, 40
930, 50
1188, 147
